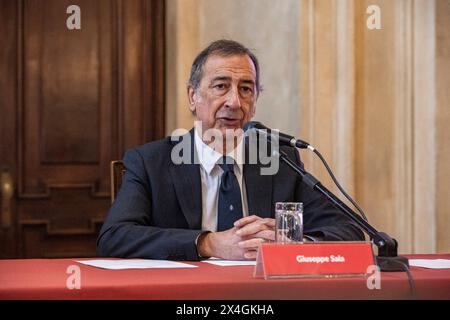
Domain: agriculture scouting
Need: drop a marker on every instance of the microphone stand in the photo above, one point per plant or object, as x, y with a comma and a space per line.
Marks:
387, 259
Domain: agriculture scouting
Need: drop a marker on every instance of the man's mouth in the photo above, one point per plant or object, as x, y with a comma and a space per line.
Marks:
230, 121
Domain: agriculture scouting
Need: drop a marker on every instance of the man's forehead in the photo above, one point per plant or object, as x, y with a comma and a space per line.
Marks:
240, 65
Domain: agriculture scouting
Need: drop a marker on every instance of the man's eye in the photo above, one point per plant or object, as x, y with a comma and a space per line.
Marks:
246, 89
220, 86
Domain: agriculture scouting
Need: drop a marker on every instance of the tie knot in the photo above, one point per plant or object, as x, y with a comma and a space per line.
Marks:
226, 163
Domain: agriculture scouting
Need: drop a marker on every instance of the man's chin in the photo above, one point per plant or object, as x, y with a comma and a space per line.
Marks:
231, 131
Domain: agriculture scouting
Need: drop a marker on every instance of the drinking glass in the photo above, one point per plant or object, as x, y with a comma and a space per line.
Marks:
288, 222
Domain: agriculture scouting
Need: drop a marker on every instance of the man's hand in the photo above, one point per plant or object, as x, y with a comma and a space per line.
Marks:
240, 242
254, 230
256, 227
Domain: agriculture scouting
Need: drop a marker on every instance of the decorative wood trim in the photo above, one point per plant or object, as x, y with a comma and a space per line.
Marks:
67, 193
403, 144
119, 55
19, 98
47, 193
358, 134
307, 77
311, 75
345, 96
56, 243
328, 65
107, 97
424, 135
92, 229
154, 76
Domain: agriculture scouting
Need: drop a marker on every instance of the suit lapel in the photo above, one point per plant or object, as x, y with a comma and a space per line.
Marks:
187, 183
259, 191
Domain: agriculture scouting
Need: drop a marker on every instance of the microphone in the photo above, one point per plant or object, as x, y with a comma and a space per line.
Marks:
284, 139
387, 259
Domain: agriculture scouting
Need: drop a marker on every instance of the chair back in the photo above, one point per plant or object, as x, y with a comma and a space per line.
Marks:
117, 172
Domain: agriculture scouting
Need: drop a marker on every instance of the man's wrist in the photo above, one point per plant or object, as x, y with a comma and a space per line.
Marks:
202, 245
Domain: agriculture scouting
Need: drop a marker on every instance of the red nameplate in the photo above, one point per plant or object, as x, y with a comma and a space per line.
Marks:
313, 259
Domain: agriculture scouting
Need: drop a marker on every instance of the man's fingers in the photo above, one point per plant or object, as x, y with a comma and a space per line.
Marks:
251, 228
266, 235
254, 227
250, 254
246, 220
251, 244
270, 222
251, 219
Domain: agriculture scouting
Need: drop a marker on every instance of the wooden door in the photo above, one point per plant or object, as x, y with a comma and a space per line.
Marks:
72, 100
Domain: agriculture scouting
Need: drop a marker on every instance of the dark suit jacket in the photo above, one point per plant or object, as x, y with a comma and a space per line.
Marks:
158, 211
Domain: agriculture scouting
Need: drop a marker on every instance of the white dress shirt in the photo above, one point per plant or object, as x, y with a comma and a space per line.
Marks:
211, 174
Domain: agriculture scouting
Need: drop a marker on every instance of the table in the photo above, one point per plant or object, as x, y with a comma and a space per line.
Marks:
47, 279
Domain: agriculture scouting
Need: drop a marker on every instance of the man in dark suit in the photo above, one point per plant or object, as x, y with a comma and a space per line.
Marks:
217, 203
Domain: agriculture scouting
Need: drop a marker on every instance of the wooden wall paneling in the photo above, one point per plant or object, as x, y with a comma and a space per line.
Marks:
375, 105
8, 96
83, 97
344, 127
306, 89
154, 69
58, 90
55, 243
142, 68
403, 132
327, 88
131, 83
107, 95
424, 135
69, 86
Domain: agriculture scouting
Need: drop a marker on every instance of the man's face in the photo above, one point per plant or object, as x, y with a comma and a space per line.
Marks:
226, 97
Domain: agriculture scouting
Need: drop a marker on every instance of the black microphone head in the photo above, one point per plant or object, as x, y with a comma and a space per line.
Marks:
250, 125
254, 125
283, 139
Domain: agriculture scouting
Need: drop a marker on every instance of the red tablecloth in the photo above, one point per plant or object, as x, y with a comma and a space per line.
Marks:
46, 279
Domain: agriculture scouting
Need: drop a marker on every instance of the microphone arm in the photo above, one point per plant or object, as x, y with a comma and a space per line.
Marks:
387, 259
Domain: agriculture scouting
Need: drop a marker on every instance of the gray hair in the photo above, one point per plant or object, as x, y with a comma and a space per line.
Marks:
222, 48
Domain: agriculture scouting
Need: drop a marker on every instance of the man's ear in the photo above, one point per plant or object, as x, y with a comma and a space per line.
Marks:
191, 98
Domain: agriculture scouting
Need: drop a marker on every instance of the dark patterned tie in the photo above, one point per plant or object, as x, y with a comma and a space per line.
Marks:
230, 202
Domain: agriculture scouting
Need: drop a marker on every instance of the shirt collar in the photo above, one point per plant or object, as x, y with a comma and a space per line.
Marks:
208, 157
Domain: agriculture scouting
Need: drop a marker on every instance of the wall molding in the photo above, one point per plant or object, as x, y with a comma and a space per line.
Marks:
403, 142
424, 135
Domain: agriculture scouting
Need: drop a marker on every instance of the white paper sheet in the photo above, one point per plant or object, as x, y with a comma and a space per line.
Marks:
430, 263
134, 264
228, 263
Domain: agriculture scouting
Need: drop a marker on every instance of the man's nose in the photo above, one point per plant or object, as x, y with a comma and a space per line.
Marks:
233, 99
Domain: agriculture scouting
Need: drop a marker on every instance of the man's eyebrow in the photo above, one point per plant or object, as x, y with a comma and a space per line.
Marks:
249, 81
221, 78
226, 78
